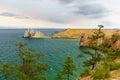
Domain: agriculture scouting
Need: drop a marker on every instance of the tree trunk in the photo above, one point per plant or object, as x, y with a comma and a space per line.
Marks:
93, 66
68, 77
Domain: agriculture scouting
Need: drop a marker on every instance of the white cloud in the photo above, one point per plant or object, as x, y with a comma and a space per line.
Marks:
60, 13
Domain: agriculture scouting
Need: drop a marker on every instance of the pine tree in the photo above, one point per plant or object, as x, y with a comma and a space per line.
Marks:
94, 55
60, 76
29, 68
5, 69
68, 68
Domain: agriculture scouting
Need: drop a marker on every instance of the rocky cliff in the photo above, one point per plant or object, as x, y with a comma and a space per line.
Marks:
83, 35
33, 34
116, 45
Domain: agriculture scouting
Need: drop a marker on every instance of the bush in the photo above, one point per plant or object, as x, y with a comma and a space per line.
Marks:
114, 66
115, 37
100, 72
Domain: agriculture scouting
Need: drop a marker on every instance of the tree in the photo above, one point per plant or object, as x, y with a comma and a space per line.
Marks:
111, 53
59, 76
102, 57
101, 72
96, 38
92, 60
29, 68
67, 69
94, 56
5, 70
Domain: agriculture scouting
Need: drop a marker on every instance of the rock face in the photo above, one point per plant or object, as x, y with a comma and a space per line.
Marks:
83, 35
84, 41
33, 34
116, 45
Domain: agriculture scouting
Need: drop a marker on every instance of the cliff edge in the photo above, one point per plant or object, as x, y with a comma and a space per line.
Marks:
83, 35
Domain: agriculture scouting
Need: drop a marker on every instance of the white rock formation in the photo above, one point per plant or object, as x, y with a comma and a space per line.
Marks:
38, 35
33, 34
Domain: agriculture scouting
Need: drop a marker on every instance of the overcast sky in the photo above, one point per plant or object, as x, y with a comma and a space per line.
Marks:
59, 13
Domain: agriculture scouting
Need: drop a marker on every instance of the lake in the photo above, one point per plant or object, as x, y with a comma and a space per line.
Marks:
55, 50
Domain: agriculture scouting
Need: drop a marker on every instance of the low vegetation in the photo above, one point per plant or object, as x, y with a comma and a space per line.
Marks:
102, 58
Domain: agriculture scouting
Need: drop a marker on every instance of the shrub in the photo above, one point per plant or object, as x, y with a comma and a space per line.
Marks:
85, 72
114, 66
100, 72
115, 37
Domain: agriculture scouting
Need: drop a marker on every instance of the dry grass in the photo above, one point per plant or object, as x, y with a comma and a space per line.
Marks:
76, 33
115, 75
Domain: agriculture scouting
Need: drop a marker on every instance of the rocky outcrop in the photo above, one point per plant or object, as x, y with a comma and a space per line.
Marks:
84, 41
83, 35
33, 34
116, 45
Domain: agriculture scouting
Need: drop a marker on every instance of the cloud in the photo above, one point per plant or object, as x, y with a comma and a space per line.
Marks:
107, 22
92, 10
77, 1
65, 12
66, 1
9, 14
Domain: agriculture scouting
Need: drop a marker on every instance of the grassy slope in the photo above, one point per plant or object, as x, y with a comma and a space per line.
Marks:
115, 75
76, 33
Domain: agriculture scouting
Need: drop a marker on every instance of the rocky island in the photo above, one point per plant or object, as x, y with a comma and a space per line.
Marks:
33, 34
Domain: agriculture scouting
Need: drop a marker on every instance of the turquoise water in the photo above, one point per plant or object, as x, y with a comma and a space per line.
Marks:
55, 50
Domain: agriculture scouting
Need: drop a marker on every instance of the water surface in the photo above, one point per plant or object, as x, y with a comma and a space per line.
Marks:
55, 50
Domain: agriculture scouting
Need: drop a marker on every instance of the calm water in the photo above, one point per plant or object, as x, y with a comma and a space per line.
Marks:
55, 50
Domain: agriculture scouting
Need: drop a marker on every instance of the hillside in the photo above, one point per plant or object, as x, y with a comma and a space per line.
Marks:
76, 33
83, 35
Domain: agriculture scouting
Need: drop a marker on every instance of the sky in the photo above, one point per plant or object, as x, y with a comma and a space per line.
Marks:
59, 13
